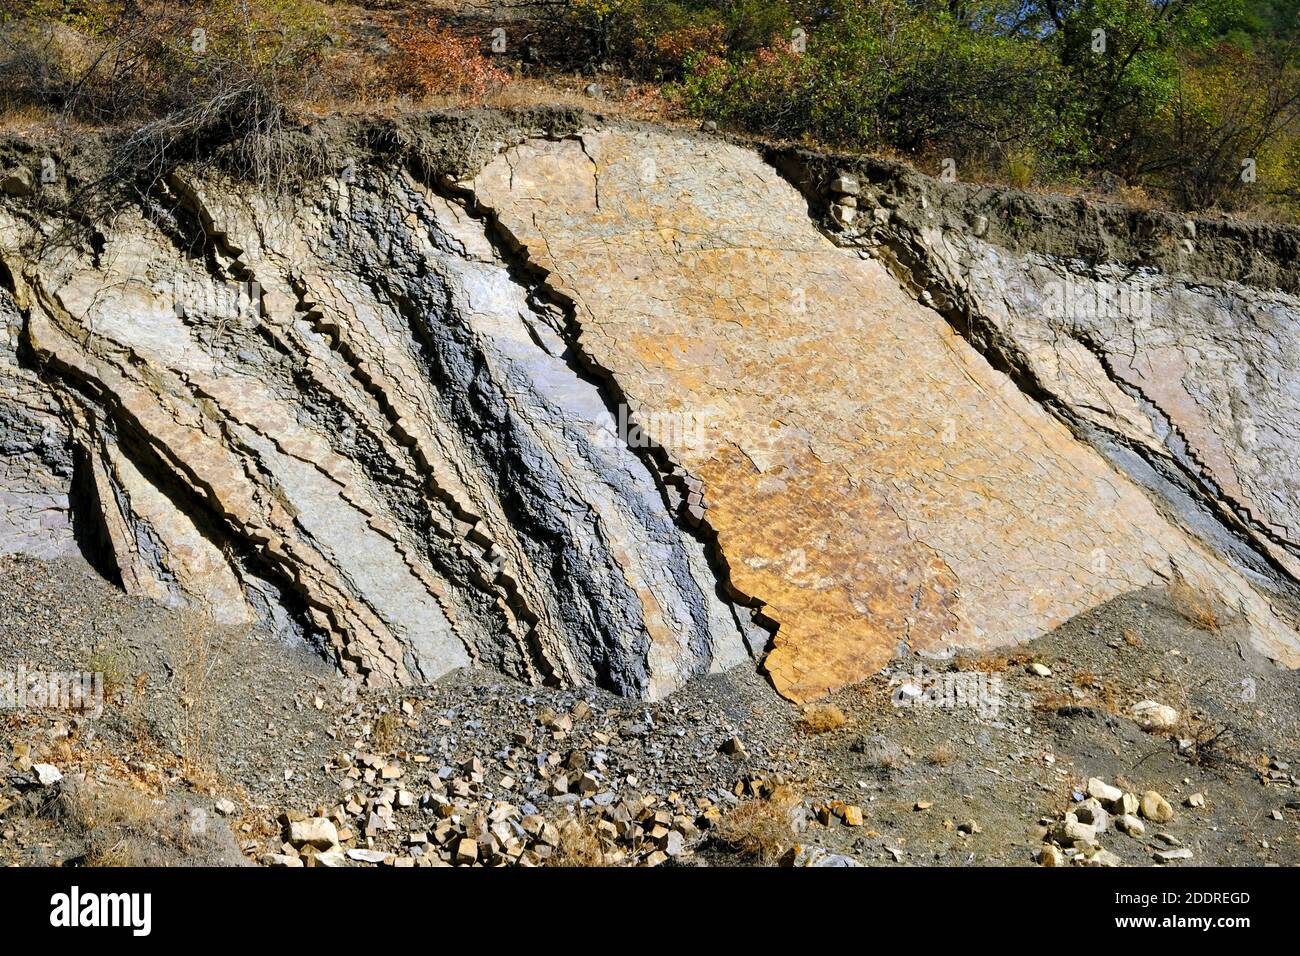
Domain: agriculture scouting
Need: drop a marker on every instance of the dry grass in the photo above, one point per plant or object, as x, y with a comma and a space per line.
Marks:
987, 664
1095, 692
189, 651
579, 844
106, 816
1053, 700
761, 829
387, 731
91, 807
520, 93
821, 719
115, 853
1197, 607
943, 754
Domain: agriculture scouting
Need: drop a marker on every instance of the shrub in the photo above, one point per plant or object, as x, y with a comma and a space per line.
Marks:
112, 61
432, 60
879, 75
173, 79
761, 828
579, 845
1196, 606
1228, 108
822, 718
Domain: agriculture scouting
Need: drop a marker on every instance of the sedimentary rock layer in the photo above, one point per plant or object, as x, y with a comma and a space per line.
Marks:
615, 406
345, 410
870, 477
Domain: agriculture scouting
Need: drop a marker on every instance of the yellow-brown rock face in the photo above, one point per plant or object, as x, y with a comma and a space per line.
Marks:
870, 478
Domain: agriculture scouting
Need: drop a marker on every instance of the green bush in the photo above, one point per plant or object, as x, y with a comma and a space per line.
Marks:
882, 75
1146, 93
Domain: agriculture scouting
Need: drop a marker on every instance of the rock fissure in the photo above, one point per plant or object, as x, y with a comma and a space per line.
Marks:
603, 404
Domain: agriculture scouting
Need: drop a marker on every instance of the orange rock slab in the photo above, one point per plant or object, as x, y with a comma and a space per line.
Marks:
870, 478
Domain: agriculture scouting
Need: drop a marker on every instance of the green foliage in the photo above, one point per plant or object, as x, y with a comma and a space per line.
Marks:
882, 75
1146, 91
1170, 95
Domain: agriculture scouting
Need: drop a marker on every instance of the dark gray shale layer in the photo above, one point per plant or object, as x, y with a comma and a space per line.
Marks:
400, 453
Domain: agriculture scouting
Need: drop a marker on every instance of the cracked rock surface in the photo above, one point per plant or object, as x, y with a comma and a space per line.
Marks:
613, 407
869, 476
350, 415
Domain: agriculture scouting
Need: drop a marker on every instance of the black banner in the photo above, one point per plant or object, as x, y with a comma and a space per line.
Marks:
564, 906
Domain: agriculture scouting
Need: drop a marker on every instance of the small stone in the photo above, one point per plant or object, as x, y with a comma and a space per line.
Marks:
1196, 800
709, 126
317, 832
1100, 857
846, 184
283, 860
1153, 716
332, 858
1130, 824
815, 856
844, 214
1168, 856
673, 843
980, 226
225, 807
1156, 808
1094, 814
1042, 670
47, 775
1103, 791
1128, 803
922, 805
1071, 830
466, 851
367, 856
734, 747
852, 816
17, 182
969, 827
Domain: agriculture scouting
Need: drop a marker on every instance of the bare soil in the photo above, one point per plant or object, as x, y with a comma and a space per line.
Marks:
197, 715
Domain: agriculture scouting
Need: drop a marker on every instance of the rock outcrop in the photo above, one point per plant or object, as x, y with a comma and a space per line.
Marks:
614, 407
349, 413
870, 477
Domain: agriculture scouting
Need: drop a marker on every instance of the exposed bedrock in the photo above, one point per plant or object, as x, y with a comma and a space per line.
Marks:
617, 405
350, 411
870, 476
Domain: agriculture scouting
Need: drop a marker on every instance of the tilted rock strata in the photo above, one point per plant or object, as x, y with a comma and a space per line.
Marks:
349, 409
1168, 344
1203, 375
36, 464
870, 478
630, 410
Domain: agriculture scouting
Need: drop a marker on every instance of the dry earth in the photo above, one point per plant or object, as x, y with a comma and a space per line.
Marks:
199, 716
